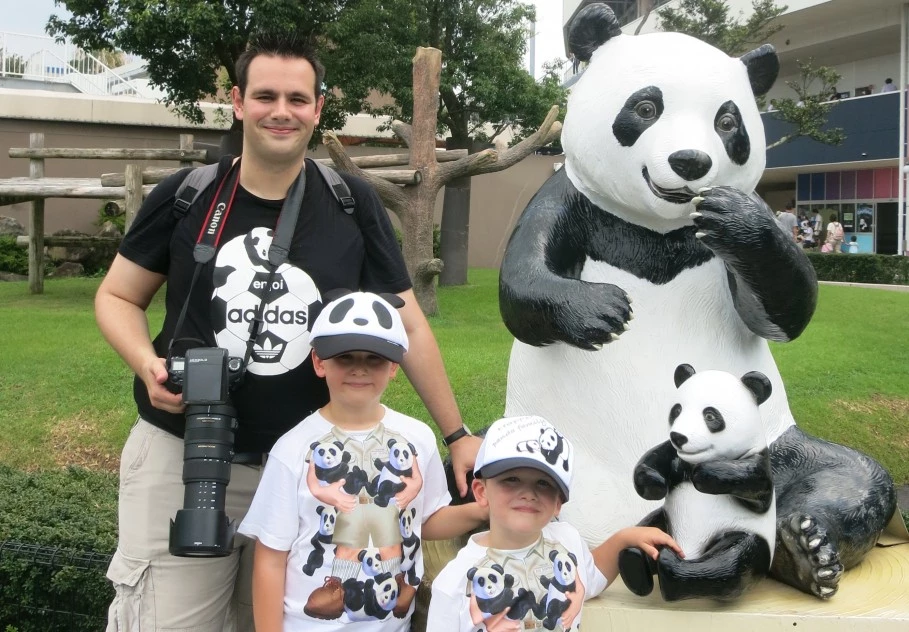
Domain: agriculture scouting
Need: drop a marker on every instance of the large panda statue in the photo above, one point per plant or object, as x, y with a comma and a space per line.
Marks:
648, 250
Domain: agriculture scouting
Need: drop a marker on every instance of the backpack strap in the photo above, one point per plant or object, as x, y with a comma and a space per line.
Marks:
193, 185
338, 186
200, 178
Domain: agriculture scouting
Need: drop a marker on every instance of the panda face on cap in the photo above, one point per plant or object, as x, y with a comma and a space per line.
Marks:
656, 117
359, 321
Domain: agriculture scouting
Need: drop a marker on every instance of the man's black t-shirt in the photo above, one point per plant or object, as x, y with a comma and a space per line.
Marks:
330, 250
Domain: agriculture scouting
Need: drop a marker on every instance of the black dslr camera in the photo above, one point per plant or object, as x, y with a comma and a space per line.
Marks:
206, 375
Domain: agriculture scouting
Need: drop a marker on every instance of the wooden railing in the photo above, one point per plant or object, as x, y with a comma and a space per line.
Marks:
133, 184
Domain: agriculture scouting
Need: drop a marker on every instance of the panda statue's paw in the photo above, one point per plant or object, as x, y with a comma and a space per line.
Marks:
728, 219
591, 315
816, 560
636, 570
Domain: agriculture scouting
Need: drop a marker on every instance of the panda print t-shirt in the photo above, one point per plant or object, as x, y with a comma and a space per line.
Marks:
349, 508
544, 585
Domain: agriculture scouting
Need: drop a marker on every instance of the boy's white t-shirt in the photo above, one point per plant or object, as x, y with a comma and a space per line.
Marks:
286, 516
481, 582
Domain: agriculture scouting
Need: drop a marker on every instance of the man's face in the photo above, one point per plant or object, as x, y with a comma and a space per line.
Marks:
279, 109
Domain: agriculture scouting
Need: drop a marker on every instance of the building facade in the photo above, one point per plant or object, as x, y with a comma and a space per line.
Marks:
862, 181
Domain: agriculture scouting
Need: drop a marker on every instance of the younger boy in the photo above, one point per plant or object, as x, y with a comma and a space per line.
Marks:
527, 572
348, 493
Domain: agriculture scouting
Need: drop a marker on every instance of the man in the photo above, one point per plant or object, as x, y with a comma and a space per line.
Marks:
278, 98
888, 86
789, 222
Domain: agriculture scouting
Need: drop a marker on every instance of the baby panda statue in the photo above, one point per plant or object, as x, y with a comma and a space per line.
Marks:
654, 216
714, 474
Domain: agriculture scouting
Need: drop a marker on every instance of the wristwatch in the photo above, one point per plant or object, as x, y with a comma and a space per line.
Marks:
460, 433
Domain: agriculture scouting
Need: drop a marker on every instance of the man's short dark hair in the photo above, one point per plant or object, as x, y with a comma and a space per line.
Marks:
286, 45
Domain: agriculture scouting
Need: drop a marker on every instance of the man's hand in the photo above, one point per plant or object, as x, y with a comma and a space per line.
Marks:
463, 456
153, 375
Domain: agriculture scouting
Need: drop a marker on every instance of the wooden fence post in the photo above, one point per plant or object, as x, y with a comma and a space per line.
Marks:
133, 193
36, 222
186, 143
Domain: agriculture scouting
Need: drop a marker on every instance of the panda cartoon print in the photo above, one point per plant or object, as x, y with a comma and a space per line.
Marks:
410, 545
331, 463
564, 581
491, 593
714, 477
388, 482
648, 250
327, 518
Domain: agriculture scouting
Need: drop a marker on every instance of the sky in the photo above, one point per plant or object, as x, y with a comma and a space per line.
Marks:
30, 18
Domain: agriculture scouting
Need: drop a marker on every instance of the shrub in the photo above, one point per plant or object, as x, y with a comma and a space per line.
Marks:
12, 258
855, 268
57, 531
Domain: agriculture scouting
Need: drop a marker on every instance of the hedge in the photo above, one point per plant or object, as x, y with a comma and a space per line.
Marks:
856, 268
57, 531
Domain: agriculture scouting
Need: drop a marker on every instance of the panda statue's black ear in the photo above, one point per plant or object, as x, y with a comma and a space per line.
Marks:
592, 27
682, 373
763, 67
393, 299
758, 384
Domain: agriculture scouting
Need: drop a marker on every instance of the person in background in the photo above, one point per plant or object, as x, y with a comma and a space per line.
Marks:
888, 86
834, 234
852, 246
789, 222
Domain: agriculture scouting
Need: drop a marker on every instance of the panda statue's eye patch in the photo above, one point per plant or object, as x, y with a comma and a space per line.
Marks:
714, 420
731, 129
674, 413
641, 110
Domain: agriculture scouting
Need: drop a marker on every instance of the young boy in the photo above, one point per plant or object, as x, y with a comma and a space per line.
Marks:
527, 572
349, 492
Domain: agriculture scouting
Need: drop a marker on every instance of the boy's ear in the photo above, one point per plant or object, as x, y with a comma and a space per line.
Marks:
478, 487
317, 365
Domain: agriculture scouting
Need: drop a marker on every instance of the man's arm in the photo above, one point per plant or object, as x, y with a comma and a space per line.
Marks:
269, 569
120, 305
425, 370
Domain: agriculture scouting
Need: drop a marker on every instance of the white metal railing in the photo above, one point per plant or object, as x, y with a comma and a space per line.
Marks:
39, 58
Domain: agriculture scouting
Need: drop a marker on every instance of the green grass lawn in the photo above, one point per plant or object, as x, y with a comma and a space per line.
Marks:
65, 397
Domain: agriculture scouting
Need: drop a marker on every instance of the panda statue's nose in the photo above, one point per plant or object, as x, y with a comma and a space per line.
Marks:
678, 439
691, 164
362, 322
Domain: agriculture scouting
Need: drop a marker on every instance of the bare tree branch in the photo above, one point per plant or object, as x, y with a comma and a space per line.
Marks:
392, 195
550, 130
403, 131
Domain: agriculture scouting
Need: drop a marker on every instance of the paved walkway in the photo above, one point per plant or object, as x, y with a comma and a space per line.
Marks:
877, 286
902, 497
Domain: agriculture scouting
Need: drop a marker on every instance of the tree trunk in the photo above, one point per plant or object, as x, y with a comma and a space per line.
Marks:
417, 248
455, 231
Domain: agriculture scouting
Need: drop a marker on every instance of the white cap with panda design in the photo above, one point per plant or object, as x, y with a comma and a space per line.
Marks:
528, 441
360, 321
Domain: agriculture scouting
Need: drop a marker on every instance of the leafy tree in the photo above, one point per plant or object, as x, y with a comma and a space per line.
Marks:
709, 21
483, 80
187, 42
484, 88
814, 87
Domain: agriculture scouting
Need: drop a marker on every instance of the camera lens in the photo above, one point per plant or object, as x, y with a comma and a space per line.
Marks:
202, 528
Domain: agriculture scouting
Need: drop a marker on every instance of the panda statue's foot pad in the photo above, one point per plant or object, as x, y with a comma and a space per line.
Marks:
636, 570
816, 559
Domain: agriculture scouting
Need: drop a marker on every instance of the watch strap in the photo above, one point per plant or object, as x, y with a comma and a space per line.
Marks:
457, 434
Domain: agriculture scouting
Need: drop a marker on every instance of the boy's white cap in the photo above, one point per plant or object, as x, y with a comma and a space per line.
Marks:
360, 321
529, 441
